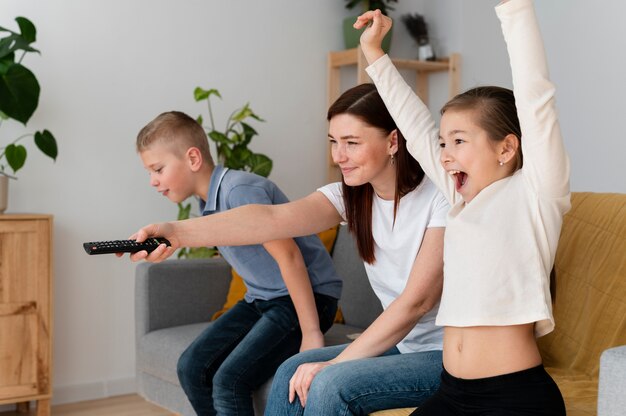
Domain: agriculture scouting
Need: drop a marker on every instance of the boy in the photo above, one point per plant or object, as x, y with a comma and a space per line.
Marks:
292, 287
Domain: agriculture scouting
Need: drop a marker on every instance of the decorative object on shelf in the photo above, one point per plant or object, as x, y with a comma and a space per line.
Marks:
417, 28
351, 36
232, 152
19, 98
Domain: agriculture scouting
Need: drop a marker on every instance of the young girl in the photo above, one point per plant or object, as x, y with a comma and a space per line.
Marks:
504, 224
397, 217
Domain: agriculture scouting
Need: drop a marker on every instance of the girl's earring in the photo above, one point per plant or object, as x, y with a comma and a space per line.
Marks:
501, 163
393, 159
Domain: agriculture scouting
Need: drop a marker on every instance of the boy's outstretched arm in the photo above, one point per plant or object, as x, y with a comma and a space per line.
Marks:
296, 276
372, 37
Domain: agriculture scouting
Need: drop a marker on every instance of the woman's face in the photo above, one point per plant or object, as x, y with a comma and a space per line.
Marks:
363, 153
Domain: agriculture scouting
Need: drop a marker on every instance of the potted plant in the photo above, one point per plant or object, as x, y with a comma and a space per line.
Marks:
351, 36
232, 152
416, 26
19, 98
232, 143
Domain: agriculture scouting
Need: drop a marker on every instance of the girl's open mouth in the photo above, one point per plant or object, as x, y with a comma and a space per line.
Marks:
459, 177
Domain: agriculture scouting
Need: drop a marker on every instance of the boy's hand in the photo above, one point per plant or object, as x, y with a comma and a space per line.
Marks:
372, 36
162, 252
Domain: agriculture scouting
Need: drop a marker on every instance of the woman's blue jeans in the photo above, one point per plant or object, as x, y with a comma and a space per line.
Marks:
358, 387
241, 350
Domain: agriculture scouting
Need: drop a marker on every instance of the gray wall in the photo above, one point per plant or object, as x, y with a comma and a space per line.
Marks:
585, 46
108, 67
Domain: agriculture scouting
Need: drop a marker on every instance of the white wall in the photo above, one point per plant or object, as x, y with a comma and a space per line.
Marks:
108, 67
585, 47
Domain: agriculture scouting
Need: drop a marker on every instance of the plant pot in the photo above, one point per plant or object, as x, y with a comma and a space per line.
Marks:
351, 36
4, 192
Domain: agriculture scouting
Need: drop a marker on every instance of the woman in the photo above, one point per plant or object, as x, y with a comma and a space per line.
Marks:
397, 217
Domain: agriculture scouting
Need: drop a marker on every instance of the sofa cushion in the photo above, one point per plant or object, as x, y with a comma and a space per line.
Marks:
158, 351
358, 303
590, 297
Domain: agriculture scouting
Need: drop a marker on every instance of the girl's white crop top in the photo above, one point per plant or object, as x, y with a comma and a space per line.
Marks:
499, 248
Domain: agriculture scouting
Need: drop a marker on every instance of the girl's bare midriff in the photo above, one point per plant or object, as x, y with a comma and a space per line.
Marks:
487, 351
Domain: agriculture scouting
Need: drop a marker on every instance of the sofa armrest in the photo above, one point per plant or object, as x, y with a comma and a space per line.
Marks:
179, 292
612, 382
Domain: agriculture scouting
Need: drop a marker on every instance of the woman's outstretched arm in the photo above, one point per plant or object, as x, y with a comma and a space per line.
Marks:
249, 224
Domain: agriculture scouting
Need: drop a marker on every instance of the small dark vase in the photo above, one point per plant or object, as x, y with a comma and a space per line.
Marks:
351, 36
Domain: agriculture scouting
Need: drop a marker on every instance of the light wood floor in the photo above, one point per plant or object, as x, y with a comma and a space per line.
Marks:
129, 405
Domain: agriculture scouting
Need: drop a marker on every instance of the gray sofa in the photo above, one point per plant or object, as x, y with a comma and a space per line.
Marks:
175, 299
586, 354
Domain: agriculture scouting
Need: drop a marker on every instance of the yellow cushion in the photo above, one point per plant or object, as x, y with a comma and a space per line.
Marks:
590, 297
237, 288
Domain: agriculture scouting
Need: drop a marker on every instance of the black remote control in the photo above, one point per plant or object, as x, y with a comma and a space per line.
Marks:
123, 246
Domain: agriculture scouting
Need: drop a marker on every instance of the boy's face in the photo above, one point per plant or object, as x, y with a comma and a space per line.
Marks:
170, 174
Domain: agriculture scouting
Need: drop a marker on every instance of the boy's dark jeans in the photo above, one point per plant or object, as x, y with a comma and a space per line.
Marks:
241, 350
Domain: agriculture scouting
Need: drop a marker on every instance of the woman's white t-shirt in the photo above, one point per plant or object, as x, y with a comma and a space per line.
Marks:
395, 248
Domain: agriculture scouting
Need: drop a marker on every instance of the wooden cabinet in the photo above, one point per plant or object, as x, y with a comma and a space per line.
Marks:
351, 57
26, 310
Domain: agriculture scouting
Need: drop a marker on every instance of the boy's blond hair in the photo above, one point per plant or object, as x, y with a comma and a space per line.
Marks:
176, 130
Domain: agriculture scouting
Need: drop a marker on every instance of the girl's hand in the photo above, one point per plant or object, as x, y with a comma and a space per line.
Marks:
301, 380
372, 36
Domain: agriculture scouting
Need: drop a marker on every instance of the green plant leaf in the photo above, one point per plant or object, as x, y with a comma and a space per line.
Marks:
260, 164
184, 211
201, 94
19, 93
224, 152
241, 153
16, 156
218, 137
244, 113
27, 28
351, 3
201, 252
248, 133
6, 53
241, 114
13, 43
46, 142
6, 62
200, 120
235, 137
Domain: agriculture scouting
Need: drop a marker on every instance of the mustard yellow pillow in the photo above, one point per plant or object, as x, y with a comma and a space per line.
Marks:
237, 288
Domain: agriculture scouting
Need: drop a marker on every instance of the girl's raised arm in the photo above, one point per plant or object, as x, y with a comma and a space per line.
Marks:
546, 164
409, 112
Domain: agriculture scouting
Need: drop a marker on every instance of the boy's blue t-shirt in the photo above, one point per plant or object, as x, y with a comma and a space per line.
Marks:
232, 188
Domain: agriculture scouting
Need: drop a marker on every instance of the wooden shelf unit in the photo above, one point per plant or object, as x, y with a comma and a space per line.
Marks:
26, 311
348, 57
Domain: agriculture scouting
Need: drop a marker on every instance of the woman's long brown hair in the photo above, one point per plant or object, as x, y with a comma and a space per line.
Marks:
364, 102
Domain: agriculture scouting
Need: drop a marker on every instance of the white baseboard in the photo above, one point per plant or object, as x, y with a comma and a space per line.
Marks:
87, 391
92, 391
